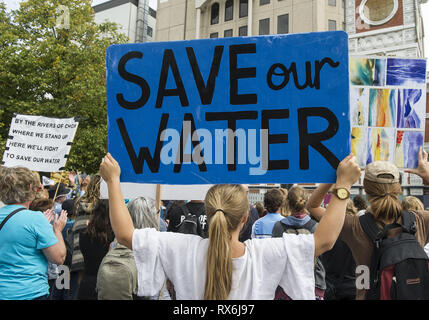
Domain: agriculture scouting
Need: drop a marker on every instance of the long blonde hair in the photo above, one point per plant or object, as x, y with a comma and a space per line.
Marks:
383, 198
226, 205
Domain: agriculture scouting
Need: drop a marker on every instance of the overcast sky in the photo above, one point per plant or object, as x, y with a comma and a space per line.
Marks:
13, 4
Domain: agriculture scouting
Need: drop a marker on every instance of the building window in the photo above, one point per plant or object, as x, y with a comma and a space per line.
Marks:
243, 8
262, 2
332, 3
283, 23
378, 12
214, 35
264, 26
149, 31
215, 13
332, 25
242, 31
229, 10
227, 33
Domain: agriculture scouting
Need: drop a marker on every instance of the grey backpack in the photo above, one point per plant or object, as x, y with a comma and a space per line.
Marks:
117, 275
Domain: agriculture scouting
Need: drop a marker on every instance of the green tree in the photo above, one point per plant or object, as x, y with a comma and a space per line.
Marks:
52, 63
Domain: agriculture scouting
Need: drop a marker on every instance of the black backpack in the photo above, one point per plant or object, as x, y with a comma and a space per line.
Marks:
191, 224
399, 265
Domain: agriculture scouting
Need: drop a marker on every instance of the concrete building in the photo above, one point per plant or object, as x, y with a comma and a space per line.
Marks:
385, 27
135, 18
197, 19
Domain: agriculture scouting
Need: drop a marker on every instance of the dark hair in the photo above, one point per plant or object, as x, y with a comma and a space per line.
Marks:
273, 200
360, 202
68, 206
41, 204
99, 226
260, 208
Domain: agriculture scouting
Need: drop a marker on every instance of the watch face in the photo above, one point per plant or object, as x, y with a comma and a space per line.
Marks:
377, 12
342, 193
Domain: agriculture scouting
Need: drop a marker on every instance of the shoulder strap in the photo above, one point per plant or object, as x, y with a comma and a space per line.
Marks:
369, 226
185, 209
409, 224
10, 216
310, 225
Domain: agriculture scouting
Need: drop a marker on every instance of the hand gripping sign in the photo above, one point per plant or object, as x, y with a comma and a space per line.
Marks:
234, 110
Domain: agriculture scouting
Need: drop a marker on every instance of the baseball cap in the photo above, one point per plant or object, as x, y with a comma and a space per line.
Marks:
378, 171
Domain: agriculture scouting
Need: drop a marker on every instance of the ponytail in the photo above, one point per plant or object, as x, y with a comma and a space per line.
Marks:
383, 197
219, 260
226, 205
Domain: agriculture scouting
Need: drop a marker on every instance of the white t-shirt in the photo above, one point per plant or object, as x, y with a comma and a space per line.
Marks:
266, 263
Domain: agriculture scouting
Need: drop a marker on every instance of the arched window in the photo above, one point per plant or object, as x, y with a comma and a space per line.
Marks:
229, 10
214, 13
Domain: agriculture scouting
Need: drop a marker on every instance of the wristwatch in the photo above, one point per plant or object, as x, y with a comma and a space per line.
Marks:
342, 193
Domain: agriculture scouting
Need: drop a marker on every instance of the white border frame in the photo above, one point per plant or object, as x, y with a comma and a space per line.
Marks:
378, 23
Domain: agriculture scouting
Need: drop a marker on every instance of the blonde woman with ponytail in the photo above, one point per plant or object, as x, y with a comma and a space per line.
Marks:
383, 188
221, 267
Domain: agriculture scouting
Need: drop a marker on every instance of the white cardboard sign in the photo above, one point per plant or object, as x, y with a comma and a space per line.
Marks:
39, 143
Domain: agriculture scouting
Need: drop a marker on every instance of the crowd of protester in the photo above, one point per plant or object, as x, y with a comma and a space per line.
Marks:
294, 245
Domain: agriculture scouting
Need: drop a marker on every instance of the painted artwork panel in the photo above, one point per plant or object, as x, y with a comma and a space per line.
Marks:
381, 144
362, 71
359, 145
380, 72
411, 110
382, 105
406, 72
359, 106
407, 148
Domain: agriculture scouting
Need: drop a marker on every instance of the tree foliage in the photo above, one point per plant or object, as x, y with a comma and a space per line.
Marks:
55, 67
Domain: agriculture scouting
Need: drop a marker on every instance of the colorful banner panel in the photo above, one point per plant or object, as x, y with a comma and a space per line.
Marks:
387, 109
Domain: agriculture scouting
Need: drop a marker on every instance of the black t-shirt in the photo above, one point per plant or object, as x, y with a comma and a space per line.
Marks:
93, 251
246, 232
177, 215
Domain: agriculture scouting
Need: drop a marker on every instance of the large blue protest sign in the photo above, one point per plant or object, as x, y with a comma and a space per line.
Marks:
268, 109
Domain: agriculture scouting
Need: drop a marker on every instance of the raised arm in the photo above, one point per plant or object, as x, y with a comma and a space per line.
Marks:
330, 225
120, 218
315, 201
422, 169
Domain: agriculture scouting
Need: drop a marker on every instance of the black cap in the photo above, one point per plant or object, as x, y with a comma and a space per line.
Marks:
62, 191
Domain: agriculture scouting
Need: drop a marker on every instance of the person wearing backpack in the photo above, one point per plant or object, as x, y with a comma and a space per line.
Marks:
300, 223
221, 267
386, 240
189, 218
117, 274
273, 200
